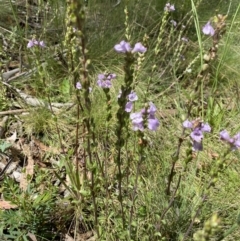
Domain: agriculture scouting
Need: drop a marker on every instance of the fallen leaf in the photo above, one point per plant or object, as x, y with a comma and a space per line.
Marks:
6, 205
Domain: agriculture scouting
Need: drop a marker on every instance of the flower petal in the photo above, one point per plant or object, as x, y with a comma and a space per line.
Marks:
187, 124
205, 127
153, 124
196, 135
139, 48
208, 29
129, 106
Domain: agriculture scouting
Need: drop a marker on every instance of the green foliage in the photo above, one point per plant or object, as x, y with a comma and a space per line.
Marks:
35, 212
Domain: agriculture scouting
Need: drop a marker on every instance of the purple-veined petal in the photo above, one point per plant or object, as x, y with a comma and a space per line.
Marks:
196, 135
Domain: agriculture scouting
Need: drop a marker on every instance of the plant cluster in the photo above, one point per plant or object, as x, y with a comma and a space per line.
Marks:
121, 181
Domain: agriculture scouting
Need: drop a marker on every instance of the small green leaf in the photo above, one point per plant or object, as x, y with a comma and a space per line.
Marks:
4, 145
65, 87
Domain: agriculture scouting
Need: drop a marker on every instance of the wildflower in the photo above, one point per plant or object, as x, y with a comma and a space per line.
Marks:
105, 80
233, 141
131, 97
208, 29
197, 132
78, 86
124, 47
169, 8
153, 123
152, 109
139, 48
42, 44
138, 119
34, 42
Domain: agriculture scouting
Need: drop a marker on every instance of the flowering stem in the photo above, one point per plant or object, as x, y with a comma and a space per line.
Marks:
122, 117
142, 143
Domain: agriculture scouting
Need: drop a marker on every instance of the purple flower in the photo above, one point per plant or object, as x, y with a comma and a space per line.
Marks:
233, 141
152, 109
197, 135
111, 76
129, 106
105, 80
42, 44
131, 97
169, 8
105, 84
139, 48
208, 29
153, 123
149, 114
31, 43
197, 132
123, 47
78, 86
137, 121
187, 124
205, 127
34, 42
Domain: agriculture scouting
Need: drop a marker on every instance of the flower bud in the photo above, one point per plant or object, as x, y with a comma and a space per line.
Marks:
205, 67
206, 57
